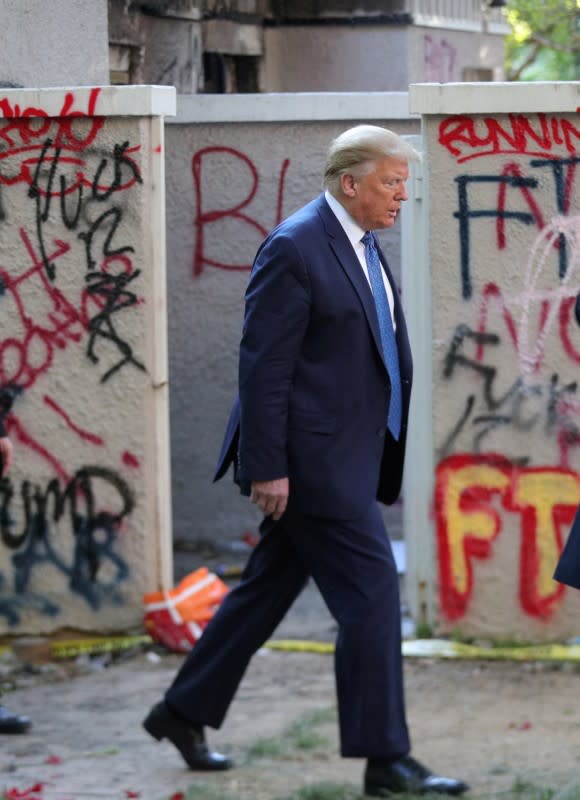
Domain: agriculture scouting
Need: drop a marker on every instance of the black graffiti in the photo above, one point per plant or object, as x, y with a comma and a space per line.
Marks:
563, 173
465, 213
42, 197
114, 173
112, 289
120, 164
107, 223
49, 516
497, 409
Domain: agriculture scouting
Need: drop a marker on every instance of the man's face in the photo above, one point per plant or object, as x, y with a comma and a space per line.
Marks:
374, 200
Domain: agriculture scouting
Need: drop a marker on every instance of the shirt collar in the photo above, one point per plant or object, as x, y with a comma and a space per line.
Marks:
352, 229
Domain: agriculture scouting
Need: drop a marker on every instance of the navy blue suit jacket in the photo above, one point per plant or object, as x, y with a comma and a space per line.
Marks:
313, 386
568, 567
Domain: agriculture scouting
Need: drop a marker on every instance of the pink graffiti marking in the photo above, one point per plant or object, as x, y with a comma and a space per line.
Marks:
439, 59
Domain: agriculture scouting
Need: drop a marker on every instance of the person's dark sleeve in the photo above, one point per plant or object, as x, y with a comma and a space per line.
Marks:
276, 319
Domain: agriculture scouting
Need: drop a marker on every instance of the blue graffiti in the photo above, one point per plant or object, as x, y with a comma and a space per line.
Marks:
94, 533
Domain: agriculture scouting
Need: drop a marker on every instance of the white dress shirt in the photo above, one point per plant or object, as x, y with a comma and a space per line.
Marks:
355, 233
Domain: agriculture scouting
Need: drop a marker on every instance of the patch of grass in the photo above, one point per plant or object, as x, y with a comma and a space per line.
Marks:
268, 748
301, 735
324, 791
204, 791
528, 791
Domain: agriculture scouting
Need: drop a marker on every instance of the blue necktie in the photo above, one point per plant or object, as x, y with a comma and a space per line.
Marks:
387, 333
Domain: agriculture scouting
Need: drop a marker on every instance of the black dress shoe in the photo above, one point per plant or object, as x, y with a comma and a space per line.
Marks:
383, 779
189, 739
13, 723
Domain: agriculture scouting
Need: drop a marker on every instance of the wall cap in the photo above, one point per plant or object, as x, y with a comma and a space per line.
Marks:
97, 101
290, 107
494, 98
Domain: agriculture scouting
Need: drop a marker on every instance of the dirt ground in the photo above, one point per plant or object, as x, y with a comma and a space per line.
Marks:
507, 728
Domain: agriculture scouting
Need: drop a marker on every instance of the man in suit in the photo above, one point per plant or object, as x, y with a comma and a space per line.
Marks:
568, 567
316, 436
9, 721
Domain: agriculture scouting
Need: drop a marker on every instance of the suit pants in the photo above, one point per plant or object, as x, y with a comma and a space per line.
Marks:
352, 564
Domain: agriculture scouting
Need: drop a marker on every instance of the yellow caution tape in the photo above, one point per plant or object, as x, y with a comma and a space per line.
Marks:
412, 648
72, 648
299, 646
443, 648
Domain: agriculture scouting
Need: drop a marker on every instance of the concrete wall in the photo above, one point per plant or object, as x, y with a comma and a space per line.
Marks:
504, 200
335, 58
61, 43
235, 167
84, 521
374, 58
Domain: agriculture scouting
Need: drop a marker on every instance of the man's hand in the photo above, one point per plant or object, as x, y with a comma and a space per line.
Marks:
271, 497
5, 454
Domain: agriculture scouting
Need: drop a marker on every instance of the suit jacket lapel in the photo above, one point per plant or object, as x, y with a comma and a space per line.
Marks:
349, 262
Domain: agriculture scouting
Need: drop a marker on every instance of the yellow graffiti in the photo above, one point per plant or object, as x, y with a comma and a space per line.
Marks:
543, 491
469, 518
475, 523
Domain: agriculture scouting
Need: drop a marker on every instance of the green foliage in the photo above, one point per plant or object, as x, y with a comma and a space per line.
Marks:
423, 631
301, 735
524, 790
545, 41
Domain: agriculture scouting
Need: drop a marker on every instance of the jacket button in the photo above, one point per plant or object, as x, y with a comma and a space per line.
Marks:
381, 432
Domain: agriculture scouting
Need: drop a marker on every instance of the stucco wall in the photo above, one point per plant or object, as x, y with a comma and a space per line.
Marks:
504, 252
61, 43
228, 183
84, 521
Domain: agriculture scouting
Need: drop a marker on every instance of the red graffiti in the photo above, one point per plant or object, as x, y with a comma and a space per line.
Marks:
514, 170
25, 127
468, 490
24, 359
466, 137
228, 160
130, 460
84, 435
18, 432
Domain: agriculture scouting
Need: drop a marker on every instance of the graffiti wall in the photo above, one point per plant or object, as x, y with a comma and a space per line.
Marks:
83, 519
504, 189
229, 181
